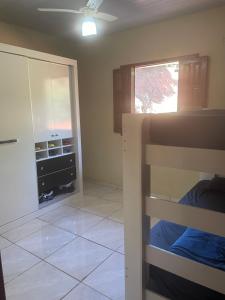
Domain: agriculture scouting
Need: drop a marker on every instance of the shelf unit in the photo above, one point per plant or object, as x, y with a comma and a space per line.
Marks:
50, 149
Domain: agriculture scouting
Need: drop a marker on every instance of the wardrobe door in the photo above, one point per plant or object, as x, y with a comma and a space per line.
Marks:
61, 103
18, 187
41, 97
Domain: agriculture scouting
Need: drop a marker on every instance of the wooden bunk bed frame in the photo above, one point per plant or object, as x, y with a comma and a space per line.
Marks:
190, 141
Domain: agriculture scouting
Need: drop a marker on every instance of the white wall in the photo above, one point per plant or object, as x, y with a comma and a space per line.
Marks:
202, 33
26, 38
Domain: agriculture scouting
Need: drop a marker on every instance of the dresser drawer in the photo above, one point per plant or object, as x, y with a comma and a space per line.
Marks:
52, 165
50, 181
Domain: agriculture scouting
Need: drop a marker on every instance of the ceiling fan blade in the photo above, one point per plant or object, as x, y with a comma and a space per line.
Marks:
104, 16
94, 4
59, 10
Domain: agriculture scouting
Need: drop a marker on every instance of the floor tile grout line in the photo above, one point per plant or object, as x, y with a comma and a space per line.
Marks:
54, 225
23, 238
76, 235
81, 237
52, 210
99, 215
105, 217
39, 256
64, 296
83, 279
79, 234
98, 266
117, 251
60, 217
85, 210
99, 292
114, 252
72, 277
63, 229
36, 217
90, 287
44, 260
47, 224
41, 260
58, 249
27, 216
6, 246
80, 280
8, 282
67, 274
62, 271
77, 283
98, 243
58, 204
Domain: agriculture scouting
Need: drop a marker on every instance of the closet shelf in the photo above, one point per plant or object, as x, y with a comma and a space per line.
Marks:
42, 150
60, 147
52, 148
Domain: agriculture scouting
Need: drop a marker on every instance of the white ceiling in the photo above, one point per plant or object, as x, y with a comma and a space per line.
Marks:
130, 13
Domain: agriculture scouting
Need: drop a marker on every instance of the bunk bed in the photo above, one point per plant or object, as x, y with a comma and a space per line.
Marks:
183, 256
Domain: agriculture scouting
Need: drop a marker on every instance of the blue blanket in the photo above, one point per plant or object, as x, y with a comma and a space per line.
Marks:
202, 247
165, 233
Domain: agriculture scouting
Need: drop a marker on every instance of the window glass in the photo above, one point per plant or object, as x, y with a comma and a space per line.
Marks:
156, 88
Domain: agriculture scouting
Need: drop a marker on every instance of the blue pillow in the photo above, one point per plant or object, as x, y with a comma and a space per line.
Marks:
202, 247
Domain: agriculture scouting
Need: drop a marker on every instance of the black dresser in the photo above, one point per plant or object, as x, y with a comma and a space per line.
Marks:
55, 172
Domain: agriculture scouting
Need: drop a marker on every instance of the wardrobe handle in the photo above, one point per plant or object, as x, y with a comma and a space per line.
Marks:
8, 141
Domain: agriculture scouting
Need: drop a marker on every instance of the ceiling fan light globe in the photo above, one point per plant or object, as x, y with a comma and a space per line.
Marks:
89, 28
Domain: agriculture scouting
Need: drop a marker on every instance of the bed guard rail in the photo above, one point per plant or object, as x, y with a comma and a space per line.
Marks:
138, 156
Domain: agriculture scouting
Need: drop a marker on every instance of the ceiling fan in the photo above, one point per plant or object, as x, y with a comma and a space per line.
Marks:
90, 11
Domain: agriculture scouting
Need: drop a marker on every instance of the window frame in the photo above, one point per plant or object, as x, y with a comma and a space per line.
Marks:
124, 95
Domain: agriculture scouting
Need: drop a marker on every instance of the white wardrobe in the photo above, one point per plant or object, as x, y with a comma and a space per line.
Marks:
39, 106
49, 84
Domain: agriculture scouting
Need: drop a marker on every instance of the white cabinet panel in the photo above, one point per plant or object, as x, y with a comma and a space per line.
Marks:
61, 104
41, 97
18, 188
51, 105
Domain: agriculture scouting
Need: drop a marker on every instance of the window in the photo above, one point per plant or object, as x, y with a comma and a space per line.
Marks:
156, 88
169, 85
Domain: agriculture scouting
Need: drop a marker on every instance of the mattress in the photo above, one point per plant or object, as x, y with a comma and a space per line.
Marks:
164, 234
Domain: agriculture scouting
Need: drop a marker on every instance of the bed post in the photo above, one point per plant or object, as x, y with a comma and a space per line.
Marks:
133, 198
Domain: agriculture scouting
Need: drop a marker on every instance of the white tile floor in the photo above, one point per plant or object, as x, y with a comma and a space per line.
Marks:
72, 252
